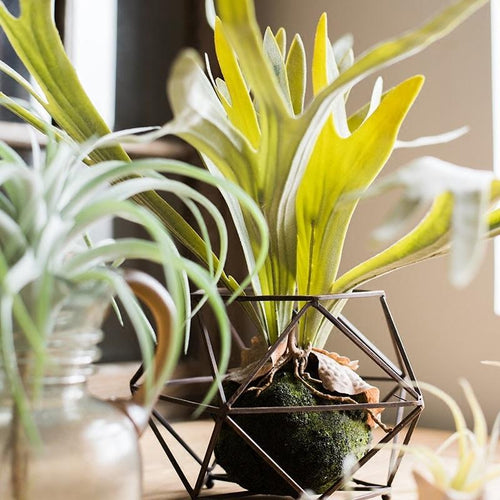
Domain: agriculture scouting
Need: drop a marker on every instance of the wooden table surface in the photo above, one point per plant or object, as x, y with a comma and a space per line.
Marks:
160, 482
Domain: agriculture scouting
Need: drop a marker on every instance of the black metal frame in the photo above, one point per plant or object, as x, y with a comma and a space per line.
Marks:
404, 395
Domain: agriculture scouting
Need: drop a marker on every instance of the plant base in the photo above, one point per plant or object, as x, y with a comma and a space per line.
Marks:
311, 447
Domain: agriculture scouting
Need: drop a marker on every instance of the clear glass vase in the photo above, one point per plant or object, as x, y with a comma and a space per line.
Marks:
85, 448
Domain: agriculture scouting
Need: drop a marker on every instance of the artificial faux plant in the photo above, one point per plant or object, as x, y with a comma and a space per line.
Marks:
45, 213
266, 139
476, 465
308, 165
48, 263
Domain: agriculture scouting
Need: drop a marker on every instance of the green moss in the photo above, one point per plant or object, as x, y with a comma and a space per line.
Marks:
311, 447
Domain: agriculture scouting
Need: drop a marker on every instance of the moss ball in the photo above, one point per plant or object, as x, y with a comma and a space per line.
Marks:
311, 447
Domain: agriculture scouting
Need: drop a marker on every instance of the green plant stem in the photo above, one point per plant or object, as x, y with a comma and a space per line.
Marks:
19, 459
19, 450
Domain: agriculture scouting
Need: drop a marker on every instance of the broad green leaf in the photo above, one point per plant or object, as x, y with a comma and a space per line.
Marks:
388, 53
325, 202
322, 63
423, 180
48, 63
324, 71
430, 238
337, 168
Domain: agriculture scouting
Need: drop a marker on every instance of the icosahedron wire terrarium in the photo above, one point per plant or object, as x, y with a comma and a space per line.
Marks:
328, 433
308, 165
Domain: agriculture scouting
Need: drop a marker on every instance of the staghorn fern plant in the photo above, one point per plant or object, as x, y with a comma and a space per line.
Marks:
307, 165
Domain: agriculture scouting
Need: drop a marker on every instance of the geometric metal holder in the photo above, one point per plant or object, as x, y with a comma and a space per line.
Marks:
404, 398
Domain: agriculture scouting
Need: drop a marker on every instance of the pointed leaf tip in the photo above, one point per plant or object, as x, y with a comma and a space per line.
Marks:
210, 13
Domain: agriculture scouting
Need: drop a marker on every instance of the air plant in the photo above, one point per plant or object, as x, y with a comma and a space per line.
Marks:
477, 462
474, 464
46, 211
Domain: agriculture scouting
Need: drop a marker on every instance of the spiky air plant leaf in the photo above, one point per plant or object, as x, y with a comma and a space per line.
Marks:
308, 165
47, 210
64, 98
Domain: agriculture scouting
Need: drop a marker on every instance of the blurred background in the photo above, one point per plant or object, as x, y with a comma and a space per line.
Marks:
123, 50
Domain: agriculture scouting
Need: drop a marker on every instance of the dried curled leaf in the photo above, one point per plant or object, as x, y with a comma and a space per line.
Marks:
337, 375
251, 356
343, 360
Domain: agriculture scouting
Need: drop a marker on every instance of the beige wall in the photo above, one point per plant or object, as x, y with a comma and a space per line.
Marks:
446, 331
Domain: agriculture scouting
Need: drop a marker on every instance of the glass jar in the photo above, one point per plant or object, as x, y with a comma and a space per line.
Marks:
86, 448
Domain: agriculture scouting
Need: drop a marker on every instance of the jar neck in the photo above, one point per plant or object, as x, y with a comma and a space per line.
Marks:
68, 361
69, 346
69, 357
